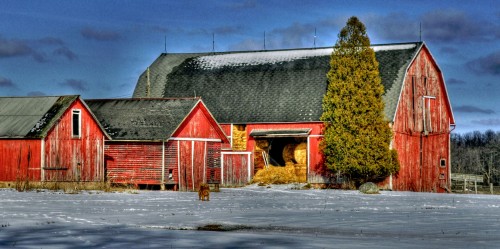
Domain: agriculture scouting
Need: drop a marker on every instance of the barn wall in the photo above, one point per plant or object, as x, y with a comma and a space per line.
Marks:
422, 129
74, 159
236, 169
20, 159
237, 163
198, 124
134, 162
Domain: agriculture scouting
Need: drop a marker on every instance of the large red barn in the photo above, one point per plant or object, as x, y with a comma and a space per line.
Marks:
173, 143
50, 139
270, 103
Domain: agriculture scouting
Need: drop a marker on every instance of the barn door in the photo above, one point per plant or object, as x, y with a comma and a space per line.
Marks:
235, 169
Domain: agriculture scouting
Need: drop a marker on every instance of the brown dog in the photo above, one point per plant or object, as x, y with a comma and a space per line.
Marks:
204, 192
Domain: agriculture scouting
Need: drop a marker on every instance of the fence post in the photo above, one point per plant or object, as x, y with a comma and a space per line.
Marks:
491, 188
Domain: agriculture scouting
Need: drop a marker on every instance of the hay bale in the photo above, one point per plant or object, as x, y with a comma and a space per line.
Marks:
287, 153
300, 153
276, 175
239, 137
262, 144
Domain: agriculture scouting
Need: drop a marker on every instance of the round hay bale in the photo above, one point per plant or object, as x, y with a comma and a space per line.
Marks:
300, 153
288, 153
262, 144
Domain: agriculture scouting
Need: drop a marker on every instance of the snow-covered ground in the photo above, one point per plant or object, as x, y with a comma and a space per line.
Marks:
250, 217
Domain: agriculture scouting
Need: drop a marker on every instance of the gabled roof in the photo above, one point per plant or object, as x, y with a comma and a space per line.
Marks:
265, 86
142, 119
31, 117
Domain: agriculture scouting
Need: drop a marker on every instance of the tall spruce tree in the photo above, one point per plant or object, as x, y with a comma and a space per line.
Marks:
356, 134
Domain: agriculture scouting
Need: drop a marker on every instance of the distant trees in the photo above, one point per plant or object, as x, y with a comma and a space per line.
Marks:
356, 134
477, 153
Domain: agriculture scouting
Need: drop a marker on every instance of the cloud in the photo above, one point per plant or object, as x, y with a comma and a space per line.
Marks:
78, 85
247, 45
17, 48
37, 49
438, 26
36, 93
487, 122
394, 26
453, 81
65, 52
100, 35
489, 64
51, 41
7, 83
473, 109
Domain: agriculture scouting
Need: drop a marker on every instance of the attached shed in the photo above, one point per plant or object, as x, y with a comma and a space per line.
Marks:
271, 101
173, 143
50, 139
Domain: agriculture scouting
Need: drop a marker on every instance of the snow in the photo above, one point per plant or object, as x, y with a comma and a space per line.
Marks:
275, 57
252, 217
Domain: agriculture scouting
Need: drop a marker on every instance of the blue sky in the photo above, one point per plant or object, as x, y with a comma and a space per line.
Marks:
98, 49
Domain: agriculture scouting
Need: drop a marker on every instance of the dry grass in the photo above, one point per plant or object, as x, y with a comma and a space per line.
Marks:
276, 175
239, 137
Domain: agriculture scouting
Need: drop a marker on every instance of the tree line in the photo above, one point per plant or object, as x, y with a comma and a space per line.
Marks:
477, 153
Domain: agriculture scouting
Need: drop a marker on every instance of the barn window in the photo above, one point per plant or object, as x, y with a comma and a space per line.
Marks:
442, 163
441, 176
76, 123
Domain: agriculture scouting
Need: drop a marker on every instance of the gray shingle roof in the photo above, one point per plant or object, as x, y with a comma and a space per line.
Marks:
141, 119
31, 117
265, 86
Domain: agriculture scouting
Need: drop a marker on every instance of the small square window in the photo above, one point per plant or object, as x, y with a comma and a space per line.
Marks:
441, 176
442, 163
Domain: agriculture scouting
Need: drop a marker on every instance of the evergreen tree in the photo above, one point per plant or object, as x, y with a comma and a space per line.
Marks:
356, 134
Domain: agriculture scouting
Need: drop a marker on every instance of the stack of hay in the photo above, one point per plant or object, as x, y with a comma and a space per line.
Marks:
239, 137
260, 147
295, 155
276, 175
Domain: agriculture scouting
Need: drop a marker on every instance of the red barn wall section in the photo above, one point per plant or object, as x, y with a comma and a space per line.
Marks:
236, 168
20, 159
316, 171
134, 162
422, 129
74, 159
199, 139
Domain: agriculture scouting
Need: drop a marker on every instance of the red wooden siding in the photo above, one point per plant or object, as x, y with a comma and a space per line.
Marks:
134, 163
20, 159
227, 130
236, 168
199, 124
422, 129
72, 159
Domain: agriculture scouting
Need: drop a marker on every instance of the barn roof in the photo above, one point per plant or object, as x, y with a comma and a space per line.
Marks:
265, 86
31, 117
141, 119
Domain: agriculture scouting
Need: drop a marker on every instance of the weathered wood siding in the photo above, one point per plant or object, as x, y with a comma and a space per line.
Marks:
236, 169
74, 159
422, 129
20, 159
199, 144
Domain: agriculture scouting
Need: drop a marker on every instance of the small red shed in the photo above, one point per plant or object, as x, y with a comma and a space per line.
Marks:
173, 143
50, 139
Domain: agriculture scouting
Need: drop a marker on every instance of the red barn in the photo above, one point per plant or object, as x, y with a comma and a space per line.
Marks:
50, 139
172, 143
270, 104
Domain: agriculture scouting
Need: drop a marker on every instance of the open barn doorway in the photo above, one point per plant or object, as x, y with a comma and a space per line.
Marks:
285, 152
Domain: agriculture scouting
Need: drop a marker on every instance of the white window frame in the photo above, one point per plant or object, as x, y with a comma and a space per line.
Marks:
79, 113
